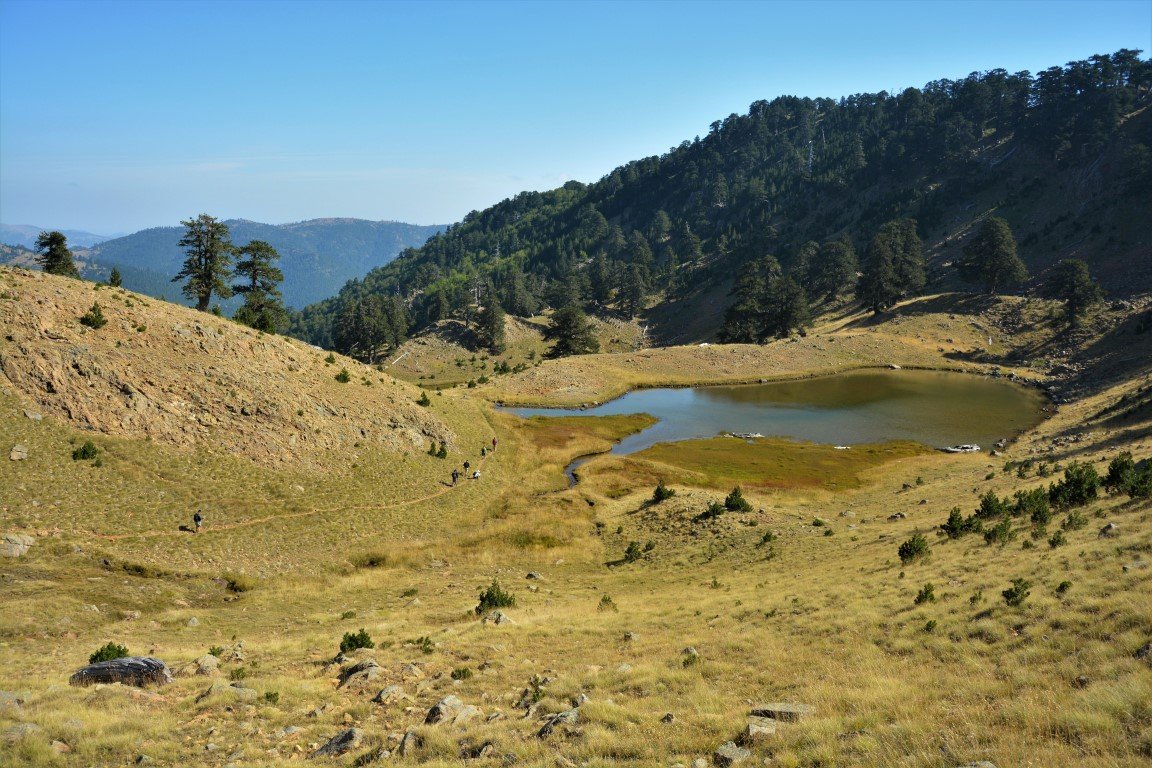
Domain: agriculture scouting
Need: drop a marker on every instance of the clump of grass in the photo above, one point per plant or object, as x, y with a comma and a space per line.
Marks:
927, 594
348, 615
343, 377
425, 644
108, 652
216, 650
914, 549
461, 673
272, 697
354, 640
766, 538
494, 597
930, 626
607, 604
410, 592
1063, 587
238, 674
239, 583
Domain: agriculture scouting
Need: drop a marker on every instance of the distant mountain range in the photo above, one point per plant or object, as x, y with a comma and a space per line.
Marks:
317, 257
25, 235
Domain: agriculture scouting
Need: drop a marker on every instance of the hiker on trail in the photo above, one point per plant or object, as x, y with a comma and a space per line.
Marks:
466, 466
455, 476
198, 519
482, 454
493, 445
476, 475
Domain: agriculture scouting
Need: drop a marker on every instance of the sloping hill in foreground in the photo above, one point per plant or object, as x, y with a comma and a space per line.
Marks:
164, 372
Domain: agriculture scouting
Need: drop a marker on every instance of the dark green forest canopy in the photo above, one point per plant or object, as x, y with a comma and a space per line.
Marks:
791, 171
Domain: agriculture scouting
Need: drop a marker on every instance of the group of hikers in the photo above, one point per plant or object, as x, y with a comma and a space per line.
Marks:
457, 474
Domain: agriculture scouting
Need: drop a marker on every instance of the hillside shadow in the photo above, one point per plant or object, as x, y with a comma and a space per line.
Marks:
951, 303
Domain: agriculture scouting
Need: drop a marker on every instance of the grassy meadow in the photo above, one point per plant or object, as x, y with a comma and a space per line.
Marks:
801, 598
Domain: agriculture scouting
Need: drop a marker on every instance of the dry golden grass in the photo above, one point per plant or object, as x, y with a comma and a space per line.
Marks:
378, 541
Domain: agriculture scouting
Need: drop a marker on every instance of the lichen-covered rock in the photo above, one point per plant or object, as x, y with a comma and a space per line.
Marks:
15, 544
361, 674
130, 670
342, 742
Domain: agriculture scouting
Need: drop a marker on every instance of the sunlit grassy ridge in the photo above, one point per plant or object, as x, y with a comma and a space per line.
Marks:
803, 598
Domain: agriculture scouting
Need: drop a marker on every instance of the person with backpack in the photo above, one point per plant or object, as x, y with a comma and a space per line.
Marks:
198, 520
455, 475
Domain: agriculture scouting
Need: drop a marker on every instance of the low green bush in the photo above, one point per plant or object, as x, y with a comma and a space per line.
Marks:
108, 652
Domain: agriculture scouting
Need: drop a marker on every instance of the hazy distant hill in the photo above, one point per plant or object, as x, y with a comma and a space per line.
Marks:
317, 256
25, 235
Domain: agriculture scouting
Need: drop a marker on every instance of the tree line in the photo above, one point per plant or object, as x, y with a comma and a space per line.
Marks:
789, 173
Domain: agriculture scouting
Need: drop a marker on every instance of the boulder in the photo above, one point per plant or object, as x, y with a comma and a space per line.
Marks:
567, 717
33, 415
11, 701
235, 690
730, 753
389, 695
361, 674
411, 742
758, 729
499, 618
533, 575
450, 710
1109, 531
783, 711
130, 670
207, 665
18, 452
15, 544
342, 742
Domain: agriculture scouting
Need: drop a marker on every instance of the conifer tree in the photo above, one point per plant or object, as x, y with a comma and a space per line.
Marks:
990, 258
208, 265
834, 270
53, 254
572, 333
492, 325
878, 288
1071, 282
114, 279
263, 307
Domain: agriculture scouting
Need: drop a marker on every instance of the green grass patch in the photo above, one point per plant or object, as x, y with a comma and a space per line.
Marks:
720, 462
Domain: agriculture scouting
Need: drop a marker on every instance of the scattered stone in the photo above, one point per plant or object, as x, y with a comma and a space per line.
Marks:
730, 753
193, 622
235, 690
18, 732
411, 742
33, 415
207, 665
450, 710
60, 747
130, 670
533, 575
143, 760
758, 729
15, 544
210, 747
361, 674
567, 717
289, 731
1144, 652
318, 711
1110, 531
782, 711
629, 637
498, 618
340, 743
580, 700
476, 751
897, 516
10, 701
668, 718
130, 615
412, 671
699, 763
978, 764
624, 668
389, 695
1081, 682
18, 452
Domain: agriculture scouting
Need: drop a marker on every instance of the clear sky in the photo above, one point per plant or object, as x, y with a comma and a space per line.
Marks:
115, 116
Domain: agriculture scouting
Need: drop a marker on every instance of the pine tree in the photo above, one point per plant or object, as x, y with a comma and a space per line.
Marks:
572, 333
114, 279
990, 258
634, 290
907, 255
1071, 282
600, 277
879, 288
208, 266
787, 309
834, 269
263, 308
492, 325
53, 254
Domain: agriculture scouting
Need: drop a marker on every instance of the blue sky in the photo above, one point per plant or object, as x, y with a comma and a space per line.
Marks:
116, 116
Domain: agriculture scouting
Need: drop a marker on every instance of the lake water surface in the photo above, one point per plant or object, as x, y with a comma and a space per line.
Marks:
934, 408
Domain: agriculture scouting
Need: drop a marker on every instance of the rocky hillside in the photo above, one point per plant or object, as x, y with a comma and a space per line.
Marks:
160, 371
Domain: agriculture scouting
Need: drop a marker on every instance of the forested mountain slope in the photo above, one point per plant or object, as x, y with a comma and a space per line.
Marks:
317, 256
1063, 155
